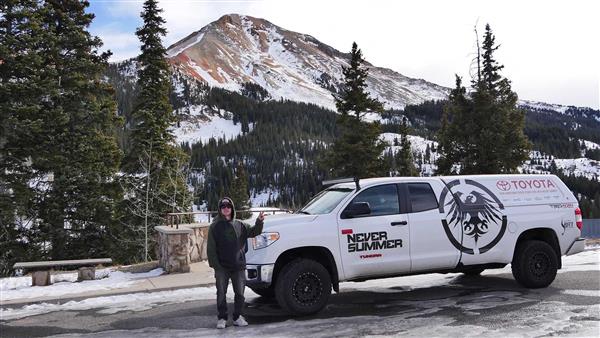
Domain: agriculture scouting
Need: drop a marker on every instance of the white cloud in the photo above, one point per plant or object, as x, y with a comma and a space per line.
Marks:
123, 45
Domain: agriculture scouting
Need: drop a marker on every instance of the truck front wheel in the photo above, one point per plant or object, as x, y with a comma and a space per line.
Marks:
303, 287
534, 264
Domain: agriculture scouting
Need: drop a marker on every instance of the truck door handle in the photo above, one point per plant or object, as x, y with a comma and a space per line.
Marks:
399, 223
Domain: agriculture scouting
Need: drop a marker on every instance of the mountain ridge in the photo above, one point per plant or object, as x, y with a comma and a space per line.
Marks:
236, 49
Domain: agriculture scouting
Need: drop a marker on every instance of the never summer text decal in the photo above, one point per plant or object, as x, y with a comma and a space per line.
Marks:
371, 241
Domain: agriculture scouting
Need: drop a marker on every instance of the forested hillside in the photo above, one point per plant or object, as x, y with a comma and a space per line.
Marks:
282, 151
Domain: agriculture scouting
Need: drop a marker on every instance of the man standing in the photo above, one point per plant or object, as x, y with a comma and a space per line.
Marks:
226, 250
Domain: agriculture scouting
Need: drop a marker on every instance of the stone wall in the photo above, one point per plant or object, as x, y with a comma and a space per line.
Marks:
177, 248
174, 248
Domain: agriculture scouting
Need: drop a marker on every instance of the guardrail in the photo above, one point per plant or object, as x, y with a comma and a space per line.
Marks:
174, 219
591, 228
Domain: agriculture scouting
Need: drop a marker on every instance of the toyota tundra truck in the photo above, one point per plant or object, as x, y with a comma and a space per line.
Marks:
387, 227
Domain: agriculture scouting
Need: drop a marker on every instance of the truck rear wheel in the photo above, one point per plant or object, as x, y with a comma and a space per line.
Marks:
534, 264
303, 287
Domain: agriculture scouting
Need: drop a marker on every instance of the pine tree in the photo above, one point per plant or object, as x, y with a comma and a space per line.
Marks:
404, 159
153, 114
61, 118
357, 151
456, 145
23, 83
239, 191
80, 205
151, 154
482, 131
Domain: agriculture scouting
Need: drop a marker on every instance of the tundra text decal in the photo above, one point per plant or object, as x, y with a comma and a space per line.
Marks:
371, 241
477, 211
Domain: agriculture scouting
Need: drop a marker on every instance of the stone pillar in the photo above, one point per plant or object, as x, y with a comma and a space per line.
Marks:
86, 273
40, 278
198, 241
174, 248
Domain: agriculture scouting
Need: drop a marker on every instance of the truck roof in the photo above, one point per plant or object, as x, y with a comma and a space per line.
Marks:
512, 189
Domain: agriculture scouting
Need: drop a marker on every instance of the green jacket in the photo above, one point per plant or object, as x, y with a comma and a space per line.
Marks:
225, 249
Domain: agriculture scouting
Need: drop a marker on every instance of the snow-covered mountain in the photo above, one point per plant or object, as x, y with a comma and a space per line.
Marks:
237, 49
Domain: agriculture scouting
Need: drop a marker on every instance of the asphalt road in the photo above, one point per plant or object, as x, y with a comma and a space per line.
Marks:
489, 305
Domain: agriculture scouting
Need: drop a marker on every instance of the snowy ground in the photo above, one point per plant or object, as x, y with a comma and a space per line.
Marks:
418, 315
64, 284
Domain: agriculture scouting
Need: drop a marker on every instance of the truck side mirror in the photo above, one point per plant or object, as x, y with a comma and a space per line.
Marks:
356, 209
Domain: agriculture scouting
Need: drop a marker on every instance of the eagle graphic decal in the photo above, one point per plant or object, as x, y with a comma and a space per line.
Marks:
477, 214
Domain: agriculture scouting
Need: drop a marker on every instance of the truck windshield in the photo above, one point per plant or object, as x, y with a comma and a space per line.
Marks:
325, 201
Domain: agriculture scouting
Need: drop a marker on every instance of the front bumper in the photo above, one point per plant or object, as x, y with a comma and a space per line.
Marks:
577, 246
259, 275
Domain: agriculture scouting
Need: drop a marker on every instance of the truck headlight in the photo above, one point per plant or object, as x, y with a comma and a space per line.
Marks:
264, 240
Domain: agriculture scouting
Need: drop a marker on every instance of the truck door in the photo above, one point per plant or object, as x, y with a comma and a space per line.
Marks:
430, 248
375, 243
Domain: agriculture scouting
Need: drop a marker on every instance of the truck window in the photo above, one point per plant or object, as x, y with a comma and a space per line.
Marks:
422, 197
326, 201
382, 199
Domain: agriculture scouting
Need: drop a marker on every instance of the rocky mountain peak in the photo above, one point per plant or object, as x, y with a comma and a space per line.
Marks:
237, 49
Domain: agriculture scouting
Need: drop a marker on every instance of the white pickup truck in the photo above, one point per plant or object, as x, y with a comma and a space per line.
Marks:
387, 227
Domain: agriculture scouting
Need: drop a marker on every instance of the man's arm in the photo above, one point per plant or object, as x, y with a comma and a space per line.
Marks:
211, 250
255, 230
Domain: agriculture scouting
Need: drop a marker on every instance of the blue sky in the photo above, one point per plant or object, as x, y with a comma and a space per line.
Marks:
549, 48
126, 21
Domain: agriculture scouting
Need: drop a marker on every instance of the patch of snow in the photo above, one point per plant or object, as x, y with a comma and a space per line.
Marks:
114, 304
588, 145
202, 127
371, 117
200, 218
544, 106
585, 293
185, 45
210, 79
578, 167
418, 146
260, 198
65, 284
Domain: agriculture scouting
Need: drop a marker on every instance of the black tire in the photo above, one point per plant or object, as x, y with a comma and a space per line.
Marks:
265, 292
473, 272
534, 264
303, 287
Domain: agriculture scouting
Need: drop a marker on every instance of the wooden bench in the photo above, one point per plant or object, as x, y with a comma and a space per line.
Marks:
41, 270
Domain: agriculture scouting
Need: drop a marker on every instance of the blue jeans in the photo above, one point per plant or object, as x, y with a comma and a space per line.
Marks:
238, 281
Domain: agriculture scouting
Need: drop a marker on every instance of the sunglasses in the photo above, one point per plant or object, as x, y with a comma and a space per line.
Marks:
225, 206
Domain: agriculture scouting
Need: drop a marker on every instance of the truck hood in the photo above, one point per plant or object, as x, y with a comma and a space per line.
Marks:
284, 220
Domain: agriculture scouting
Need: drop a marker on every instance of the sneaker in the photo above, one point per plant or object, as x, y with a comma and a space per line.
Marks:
222, 323
240, 321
